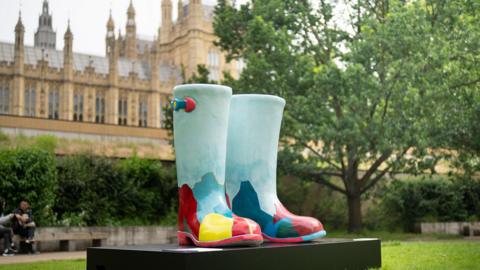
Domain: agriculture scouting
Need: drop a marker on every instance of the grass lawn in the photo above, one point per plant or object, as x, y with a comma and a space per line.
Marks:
439, 255
451, 254
52, 265
393, 236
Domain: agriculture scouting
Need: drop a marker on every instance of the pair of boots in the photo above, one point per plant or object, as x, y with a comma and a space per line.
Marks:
226, 156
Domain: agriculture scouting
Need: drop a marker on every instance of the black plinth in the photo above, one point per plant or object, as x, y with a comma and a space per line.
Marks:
322, 254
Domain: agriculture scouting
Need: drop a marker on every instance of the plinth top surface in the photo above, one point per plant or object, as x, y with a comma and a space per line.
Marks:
175, 248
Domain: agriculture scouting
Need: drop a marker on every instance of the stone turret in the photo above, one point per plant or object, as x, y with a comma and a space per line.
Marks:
66, 107
113, 51
45, 37
68, 53
166, 28
110, 37
180, 10
18, 77
131, 34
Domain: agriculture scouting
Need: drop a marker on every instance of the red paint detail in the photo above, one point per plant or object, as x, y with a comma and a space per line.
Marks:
244, 232
282, 240
187, 210
240, 240
306, 225
228, 201
303, 225
281, 212
242, 226
190, 104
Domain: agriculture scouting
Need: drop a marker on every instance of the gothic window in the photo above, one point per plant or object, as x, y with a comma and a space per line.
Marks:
122, 111
53, 104
30, 100
143, 112
78, 107
100, 108
213, 62
4, 97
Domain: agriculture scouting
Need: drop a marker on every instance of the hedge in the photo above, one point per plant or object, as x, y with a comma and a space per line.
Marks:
29, 174
409, 202
87, 190
101, 191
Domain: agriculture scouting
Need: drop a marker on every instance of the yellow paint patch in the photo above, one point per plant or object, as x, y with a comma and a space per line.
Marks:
215, 227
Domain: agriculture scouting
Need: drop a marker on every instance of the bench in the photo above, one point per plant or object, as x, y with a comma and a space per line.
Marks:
67, 238
472, 229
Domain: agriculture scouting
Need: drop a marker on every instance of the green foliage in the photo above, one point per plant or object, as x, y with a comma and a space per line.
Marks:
101, 191
4, 139
360, 93
46, 142
86, 185
83, 190
408, 202
201, 76
149, 189
29, 174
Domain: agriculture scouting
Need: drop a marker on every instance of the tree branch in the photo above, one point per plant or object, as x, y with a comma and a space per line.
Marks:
320, 156
373, 168
455, 86
321, 180
383, 172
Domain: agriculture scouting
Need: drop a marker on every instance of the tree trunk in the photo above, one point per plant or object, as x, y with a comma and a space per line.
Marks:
354, 213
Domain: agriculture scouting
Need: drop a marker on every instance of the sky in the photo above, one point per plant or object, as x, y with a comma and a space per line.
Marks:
88, 19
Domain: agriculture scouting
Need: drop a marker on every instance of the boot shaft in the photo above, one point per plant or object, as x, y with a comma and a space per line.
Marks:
252, 145
200, 135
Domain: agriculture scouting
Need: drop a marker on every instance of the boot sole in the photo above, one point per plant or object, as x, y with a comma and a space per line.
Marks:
300, 239
250, 240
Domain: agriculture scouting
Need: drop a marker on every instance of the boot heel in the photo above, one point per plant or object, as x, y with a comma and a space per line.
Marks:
183, 239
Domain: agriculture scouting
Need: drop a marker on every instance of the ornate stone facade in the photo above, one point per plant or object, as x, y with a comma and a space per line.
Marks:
128, 87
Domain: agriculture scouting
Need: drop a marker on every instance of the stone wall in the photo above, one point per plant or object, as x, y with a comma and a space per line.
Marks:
461, 228
117, 236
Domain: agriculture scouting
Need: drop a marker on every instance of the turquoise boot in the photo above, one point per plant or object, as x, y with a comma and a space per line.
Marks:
200, 122
252, 145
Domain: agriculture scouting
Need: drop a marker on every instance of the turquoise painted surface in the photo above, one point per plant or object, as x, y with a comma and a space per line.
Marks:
200, 136
252, 145
210, 197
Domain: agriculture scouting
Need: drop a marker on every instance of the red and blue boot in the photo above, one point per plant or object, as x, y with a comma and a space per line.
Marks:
252, 145
200, 136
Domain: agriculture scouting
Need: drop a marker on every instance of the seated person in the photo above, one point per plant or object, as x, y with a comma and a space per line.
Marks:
6, 232
23, 222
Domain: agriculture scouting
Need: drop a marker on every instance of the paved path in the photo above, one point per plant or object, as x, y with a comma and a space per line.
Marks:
47, 256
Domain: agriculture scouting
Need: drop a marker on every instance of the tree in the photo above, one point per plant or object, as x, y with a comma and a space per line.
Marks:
361, 90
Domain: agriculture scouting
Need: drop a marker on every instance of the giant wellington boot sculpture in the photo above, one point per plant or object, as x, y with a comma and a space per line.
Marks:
253, 133
200, 122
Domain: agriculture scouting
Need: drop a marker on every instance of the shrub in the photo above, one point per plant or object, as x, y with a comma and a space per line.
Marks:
408, 202
100, 191
86, 185
148, 191
46, 142
29, 174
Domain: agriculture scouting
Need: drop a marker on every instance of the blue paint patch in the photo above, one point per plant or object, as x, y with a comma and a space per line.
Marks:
284, 228
312, 236
269, 229
246, 204
210, 196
